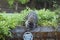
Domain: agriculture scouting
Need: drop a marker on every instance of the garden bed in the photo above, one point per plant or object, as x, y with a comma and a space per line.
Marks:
38, 33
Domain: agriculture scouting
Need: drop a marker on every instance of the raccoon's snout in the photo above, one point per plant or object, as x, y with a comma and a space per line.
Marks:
30, 23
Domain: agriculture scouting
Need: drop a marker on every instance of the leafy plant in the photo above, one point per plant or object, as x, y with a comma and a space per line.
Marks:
10, 21
47, 18
10, 2
23, 1
57, 11
5, 25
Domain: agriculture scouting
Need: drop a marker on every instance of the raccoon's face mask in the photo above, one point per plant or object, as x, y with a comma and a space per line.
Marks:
29, 24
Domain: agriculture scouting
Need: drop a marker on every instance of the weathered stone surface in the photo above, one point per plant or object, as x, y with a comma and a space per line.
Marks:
37, 29
47, 29
18, 32
58, 29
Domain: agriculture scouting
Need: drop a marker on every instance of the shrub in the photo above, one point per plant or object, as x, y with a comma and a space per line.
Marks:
10, 21
7, 22
47, 18
57, 11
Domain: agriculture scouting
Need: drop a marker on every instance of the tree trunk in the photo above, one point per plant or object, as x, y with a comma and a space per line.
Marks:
16, 6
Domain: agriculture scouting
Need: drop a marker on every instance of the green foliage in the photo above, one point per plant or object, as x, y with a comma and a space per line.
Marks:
23, 1
9, 21
10, 2
57, 11
47, 18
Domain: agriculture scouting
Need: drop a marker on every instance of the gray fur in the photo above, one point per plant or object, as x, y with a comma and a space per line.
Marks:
32, 19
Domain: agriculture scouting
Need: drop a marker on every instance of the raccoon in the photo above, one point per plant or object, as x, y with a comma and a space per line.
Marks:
31, 20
